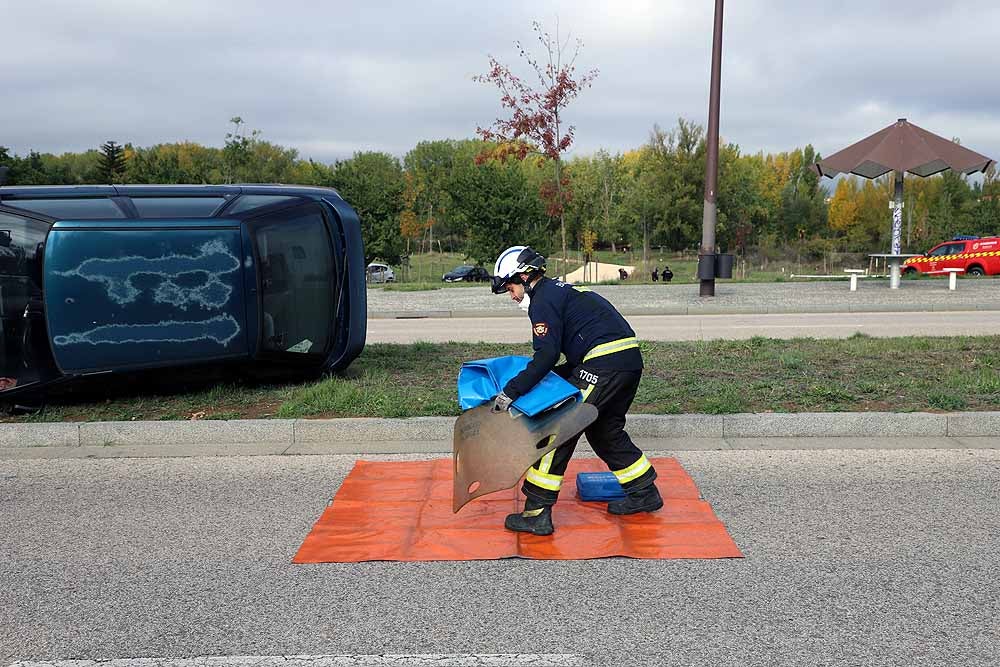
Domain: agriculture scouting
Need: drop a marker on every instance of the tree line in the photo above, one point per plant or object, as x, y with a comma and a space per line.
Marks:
442, 193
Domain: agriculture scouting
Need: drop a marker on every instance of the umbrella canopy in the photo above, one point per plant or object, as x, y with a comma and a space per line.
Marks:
902, 147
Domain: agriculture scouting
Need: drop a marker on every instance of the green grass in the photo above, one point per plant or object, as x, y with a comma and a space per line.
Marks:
859, 373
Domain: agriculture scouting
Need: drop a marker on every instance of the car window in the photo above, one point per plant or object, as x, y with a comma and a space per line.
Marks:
177, 207
296, 276
93, 208
947, 249
248, 202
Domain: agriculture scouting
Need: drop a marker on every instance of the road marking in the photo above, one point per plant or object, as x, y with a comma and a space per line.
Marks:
343, 660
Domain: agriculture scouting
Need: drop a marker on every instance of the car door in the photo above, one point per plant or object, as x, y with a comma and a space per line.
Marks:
937, 257
956, 257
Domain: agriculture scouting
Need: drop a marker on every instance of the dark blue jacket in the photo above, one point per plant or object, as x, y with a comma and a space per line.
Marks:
573, 321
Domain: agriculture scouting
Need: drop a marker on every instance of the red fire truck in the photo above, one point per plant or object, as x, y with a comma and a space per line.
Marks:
977, 256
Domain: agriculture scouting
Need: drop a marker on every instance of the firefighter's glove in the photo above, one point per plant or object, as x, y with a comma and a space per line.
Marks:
501, 403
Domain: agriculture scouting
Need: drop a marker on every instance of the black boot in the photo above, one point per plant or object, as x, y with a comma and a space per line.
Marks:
646, 499
535, 519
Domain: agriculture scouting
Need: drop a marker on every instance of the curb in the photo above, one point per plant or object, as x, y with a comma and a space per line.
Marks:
704, 310
282, 434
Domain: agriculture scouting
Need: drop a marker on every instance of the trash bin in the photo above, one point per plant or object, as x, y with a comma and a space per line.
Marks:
706, 267
724, 266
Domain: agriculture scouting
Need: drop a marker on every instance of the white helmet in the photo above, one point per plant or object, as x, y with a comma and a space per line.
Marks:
511, 263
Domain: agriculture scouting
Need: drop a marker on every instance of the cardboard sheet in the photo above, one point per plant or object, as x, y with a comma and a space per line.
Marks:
402, 511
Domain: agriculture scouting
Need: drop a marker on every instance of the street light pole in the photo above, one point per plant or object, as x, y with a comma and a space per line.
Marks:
707, 251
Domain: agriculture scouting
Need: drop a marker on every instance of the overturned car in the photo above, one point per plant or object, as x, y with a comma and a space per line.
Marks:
120, 279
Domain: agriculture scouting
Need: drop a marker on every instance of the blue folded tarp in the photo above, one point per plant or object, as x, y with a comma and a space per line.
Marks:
480, 380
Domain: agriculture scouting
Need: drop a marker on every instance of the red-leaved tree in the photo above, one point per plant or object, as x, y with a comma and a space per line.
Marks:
535, 124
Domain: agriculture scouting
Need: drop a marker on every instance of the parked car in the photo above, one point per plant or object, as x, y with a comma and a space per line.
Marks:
380, 273
118, 279
466, 274
977, 256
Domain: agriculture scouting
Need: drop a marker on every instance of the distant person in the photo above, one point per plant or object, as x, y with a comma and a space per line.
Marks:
656, 273
667, 274
622, 274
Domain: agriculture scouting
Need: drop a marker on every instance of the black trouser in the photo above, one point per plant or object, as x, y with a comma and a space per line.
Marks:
611, 392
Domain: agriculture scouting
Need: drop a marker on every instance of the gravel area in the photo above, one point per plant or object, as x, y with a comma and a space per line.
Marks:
819, 296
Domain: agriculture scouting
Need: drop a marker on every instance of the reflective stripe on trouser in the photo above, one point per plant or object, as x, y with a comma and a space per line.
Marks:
539, 475
612, 395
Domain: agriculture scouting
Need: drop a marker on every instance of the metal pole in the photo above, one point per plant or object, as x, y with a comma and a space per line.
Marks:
897, 232
706, 253
897, 216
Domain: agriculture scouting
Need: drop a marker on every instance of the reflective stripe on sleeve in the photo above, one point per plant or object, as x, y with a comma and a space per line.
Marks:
634, 471
612, 347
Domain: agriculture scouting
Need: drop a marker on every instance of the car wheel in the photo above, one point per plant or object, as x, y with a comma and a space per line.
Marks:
909, 272
975, 271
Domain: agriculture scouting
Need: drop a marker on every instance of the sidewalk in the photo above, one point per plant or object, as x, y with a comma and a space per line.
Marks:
851, 430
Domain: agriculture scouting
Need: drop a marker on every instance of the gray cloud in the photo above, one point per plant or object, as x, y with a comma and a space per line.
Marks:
336, 77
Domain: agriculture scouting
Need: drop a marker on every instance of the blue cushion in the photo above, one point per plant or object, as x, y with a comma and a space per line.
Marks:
600, 486
480, 380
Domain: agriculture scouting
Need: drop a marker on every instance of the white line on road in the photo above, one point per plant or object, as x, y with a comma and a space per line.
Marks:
344, 660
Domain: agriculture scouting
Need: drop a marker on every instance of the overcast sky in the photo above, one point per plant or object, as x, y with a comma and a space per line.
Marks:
333, 77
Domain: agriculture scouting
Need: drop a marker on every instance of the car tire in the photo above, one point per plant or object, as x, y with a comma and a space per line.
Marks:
909, 272
975, 272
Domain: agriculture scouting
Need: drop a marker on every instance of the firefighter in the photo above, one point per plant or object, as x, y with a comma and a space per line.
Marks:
602, 360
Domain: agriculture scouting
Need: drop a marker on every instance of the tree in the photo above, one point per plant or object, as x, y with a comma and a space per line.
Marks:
494, 208
111, 165
844, 205
238, 152
741, 201
182, 162
430, 164
536, 123
372, 183
411, 227
676, 165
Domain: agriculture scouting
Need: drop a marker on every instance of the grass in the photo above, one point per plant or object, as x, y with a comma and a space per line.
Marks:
718, 377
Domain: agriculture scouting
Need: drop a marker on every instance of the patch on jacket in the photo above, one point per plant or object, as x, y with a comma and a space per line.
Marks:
541, 329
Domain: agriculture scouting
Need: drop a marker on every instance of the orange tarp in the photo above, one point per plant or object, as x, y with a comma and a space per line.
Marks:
401, 511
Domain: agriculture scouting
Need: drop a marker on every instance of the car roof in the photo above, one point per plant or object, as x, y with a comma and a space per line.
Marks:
70, 191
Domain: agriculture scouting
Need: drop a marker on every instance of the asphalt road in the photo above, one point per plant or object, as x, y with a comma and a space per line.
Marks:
703, 327
852, 558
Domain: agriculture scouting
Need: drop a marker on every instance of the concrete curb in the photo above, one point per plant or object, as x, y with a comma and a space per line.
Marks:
359, 434
680, 309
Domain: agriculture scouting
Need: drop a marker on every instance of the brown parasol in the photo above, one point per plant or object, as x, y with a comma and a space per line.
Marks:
901, 147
